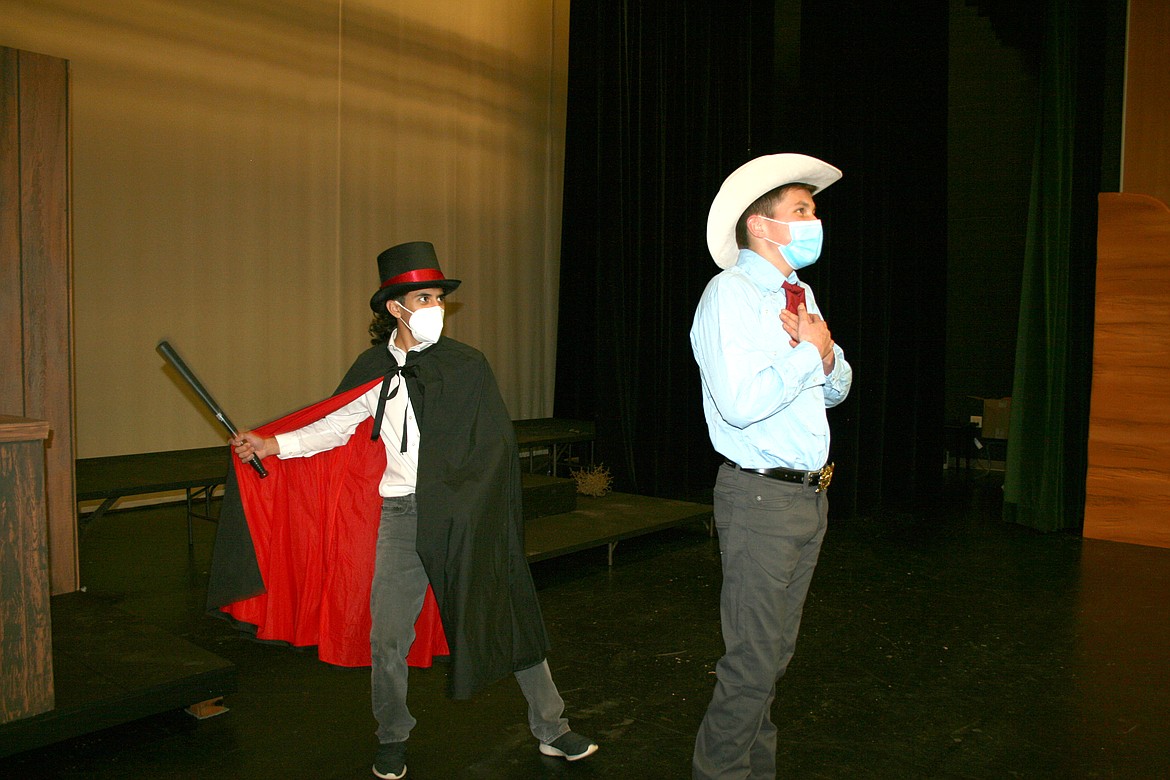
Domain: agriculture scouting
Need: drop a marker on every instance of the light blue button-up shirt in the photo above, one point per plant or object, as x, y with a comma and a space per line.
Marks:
764, 400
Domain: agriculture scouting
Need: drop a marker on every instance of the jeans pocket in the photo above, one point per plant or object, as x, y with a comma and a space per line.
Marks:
774, 513
396, 506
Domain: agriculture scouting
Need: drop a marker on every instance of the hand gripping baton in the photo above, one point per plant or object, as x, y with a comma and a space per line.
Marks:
173, 358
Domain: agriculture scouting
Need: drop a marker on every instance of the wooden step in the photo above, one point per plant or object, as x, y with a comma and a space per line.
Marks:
605, 521
545, 495
111, 667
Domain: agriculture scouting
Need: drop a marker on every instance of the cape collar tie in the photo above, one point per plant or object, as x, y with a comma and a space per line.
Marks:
410, 370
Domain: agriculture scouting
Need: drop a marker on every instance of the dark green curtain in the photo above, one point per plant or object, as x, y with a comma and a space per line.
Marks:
665, 100
1044, 483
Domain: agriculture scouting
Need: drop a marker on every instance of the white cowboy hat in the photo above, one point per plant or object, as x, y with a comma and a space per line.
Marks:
748, 182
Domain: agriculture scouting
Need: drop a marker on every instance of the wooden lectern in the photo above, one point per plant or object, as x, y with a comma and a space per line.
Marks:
26, 646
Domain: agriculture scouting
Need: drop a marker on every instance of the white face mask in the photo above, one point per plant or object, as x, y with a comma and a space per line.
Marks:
426, 323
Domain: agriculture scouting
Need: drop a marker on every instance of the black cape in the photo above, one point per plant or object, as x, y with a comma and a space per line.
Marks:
470, 528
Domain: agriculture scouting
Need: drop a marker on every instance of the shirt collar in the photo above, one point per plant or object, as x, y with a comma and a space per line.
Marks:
397, 352
762, 272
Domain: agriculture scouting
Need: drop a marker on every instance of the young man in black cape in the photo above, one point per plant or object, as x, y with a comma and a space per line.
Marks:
411, 480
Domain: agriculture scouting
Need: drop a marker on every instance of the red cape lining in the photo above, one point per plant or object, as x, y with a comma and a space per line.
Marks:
314, 526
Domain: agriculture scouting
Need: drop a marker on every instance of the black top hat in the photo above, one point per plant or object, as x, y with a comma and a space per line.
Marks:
406, 267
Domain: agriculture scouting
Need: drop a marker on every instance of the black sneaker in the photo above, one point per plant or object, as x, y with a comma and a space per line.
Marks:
390, 763
569, 746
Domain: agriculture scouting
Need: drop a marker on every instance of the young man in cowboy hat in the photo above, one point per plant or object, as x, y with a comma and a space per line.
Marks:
424, 451
769, 368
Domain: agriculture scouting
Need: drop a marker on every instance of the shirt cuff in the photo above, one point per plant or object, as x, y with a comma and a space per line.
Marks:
838, 367
810, 361
289, 444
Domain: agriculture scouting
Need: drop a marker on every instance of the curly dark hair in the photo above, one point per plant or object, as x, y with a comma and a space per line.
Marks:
384, 324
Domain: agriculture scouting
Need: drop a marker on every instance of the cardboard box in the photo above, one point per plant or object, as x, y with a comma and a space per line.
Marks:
997, 415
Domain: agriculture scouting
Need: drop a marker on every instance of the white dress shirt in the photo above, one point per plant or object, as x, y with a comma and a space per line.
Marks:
334, 429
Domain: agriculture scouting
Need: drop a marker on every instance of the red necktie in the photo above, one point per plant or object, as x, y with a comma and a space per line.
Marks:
795, 296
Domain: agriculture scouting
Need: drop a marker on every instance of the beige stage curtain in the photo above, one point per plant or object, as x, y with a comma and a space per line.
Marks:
237, 167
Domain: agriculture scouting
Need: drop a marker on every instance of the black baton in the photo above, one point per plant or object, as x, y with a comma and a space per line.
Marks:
173, 358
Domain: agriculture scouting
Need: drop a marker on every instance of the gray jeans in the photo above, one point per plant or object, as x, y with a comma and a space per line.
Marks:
396, 598
770, 535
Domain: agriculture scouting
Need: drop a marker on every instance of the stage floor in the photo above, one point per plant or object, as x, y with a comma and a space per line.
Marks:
935, 644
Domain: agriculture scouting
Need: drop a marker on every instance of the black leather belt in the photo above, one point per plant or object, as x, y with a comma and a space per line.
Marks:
820, 479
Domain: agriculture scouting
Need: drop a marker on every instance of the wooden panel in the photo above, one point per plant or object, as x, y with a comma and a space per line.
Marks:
45, 271
11, 351
1128, 483
26, 674
21, 429
1146, 167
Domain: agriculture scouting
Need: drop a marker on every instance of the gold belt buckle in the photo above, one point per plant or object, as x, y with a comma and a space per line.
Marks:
826, 477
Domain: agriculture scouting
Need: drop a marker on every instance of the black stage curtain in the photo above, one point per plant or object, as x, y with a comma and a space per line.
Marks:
665, 100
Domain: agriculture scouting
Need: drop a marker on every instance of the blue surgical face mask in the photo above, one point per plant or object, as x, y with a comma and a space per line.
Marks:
804, 248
